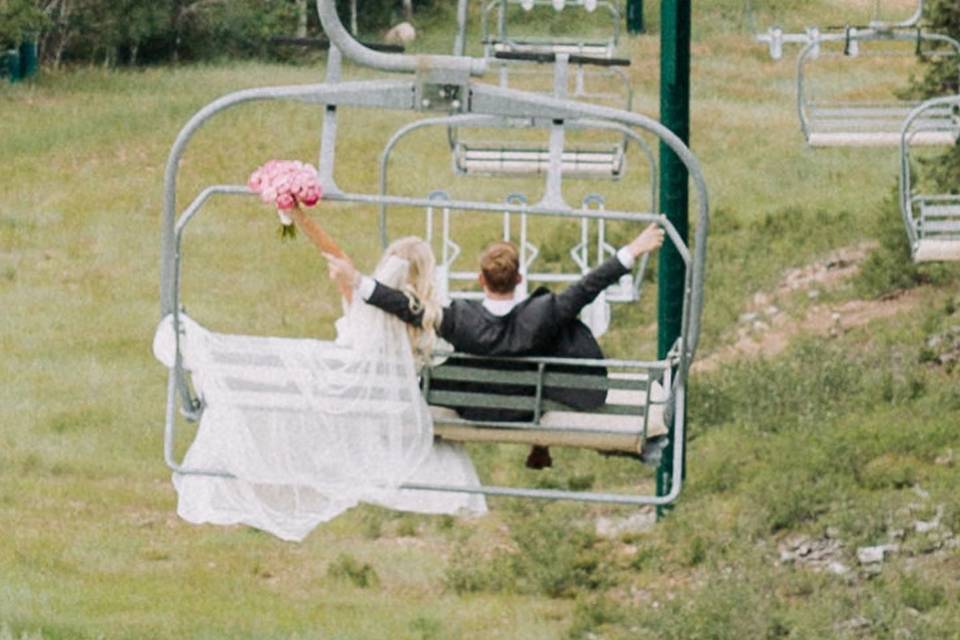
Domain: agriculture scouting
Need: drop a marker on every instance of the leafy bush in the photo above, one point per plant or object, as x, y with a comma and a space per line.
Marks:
135, 32
426, 628
551, 555
348, 568
805, 387
919, 594
889, 267
940, 79
18, 18
889, 471
590, 615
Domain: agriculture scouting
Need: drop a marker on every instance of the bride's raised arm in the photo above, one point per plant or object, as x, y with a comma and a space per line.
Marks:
323, 241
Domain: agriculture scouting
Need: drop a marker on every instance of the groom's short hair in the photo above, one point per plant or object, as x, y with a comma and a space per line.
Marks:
500, 264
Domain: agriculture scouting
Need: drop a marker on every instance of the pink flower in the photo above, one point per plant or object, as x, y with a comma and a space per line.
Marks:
311, 195
285, 201
285, 184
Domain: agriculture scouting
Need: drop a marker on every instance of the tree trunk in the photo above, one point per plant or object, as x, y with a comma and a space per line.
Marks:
58, 56
302, 18
353, 17
408, 10
54, 40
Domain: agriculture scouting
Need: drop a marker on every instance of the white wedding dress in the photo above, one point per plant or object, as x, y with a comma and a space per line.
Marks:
310, 428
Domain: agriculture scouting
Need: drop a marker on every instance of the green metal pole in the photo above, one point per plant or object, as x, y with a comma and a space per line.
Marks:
28, 56
12, 60
635, 16
675, 115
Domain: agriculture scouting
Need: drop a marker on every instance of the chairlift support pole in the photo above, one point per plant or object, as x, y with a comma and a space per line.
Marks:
635, 16
674, 198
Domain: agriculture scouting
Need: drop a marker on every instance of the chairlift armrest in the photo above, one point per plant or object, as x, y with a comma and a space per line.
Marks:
547, 57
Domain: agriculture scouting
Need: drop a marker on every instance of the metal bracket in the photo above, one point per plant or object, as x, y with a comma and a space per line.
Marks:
439, 90
775, 38
440, 97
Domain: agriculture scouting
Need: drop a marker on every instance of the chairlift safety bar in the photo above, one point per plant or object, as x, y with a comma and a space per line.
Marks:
775, 37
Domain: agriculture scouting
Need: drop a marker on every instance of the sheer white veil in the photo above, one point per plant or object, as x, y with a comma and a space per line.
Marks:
308, 428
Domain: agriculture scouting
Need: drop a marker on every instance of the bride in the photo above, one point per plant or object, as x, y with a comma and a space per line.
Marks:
346, 422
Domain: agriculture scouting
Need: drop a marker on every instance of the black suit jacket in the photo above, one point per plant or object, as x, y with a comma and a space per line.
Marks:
545, 324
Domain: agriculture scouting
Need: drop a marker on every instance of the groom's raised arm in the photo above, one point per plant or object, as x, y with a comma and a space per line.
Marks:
570, 301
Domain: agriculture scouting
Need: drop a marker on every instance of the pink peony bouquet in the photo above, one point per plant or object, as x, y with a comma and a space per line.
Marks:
286, 184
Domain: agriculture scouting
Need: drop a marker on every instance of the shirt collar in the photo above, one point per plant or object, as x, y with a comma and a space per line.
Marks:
502, 307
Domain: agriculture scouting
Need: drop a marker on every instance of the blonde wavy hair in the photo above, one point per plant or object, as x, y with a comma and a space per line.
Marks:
421, 291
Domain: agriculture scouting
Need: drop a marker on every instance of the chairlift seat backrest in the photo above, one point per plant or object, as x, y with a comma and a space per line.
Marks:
503, 159
633, 412
878, 125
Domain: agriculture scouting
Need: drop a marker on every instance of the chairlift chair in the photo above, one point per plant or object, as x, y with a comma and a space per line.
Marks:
594, 60
501, 40
932, 220
573, 66
646, 396
860, 123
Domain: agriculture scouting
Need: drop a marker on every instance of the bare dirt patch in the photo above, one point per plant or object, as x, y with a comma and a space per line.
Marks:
765, 329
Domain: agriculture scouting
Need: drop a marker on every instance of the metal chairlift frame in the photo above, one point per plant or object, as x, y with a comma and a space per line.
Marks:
932, 221
775, 38
449, 76
864, 124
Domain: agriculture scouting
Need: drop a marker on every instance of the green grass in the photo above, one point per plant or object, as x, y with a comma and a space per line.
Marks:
833, 434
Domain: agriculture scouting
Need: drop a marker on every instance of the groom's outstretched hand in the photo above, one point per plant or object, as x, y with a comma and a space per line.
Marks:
649, 239
342, 271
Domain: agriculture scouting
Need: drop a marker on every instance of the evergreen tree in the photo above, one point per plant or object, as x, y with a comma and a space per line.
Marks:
941, 79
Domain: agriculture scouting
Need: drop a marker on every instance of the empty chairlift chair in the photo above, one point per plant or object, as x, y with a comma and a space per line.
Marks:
932, 220
511, 146
501, 40
841, 118
597, 74
585, 68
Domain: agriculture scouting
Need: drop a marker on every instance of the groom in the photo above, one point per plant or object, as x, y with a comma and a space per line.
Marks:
542, 324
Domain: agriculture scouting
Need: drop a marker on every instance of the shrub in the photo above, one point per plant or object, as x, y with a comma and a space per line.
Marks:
349, 569
590, 614
553, 556
803, 388
920, 595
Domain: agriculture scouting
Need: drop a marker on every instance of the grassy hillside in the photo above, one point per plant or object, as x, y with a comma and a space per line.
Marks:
842, 437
